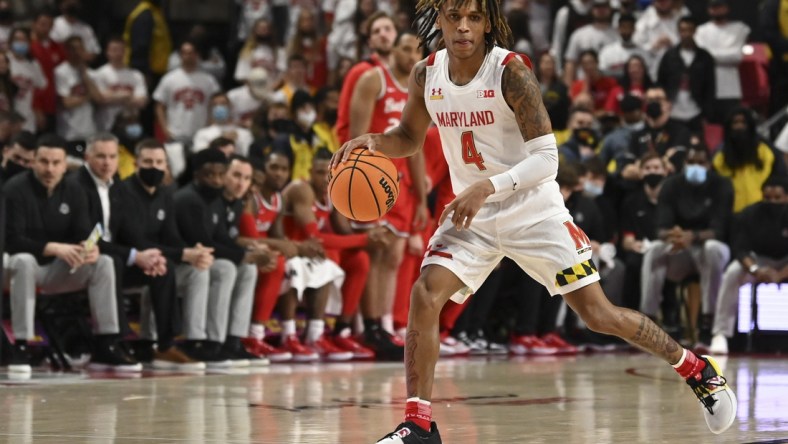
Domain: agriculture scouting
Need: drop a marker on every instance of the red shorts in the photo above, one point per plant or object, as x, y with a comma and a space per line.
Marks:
399, 220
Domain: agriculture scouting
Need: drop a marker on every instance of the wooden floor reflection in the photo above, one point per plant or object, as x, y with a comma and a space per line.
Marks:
586, 399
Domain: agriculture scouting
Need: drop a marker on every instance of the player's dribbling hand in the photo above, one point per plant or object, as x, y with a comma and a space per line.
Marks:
364, 141
467, 204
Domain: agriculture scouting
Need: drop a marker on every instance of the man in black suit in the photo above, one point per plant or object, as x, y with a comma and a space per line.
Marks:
138, 262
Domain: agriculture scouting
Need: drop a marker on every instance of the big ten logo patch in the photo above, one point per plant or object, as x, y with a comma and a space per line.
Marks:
579, 237
485, 94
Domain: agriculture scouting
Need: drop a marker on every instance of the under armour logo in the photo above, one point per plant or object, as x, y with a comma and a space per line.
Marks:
436, 92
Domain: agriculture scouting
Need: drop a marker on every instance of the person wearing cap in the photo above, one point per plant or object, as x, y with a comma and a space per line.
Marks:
301, 145
724, 39
593, 36
215, 323
247, 99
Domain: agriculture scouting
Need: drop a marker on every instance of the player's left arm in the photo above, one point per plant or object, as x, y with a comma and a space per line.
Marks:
418, 171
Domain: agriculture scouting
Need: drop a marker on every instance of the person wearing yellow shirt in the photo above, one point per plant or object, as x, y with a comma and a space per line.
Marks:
148, 41
744, 158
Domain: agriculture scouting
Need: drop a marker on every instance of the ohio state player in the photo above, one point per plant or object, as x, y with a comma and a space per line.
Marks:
377, 104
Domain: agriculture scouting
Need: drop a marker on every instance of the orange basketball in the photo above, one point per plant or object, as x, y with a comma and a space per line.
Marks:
365, 187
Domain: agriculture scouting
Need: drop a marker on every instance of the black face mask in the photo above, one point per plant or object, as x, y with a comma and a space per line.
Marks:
586, 136
773, 210
330, 116
652, 180
740, 138
654, 110
151, 177
12, 169
210, 192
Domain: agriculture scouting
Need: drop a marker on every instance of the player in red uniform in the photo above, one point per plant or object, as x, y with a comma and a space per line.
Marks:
377, 104
382, 32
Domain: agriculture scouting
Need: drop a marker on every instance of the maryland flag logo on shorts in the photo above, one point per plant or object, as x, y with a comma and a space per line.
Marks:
575, 273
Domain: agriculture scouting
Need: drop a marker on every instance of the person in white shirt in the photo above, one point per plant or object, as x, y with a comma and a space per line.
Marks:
261, 50
182, 97
211, 60
724, 39
27, 76
594, 36
568, 19
68, 24
613, 56
77, 92
247, 99
121, 87
221, 125
658, 29
251, 11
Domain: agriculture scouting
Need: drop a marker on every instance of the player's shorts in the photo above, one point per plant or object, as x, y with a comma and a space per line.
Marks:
551, 249
399, 220
302, 273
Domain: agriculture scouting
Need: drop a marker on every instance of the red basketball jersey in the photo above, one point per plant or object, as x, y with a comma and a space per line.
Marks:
267, 213
322, 216
388, 113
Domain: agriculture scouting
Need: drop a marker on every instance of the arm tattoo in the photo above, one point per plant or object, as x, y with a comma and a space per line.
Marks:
421, 74
411, 373
522, 93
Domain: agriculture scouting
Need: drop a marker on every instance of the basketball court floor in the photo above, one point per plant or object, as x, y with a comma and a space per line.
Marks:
616, 398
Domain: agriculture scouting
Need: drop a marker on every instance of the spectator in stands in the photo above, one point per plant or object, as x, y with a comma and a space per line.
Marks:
594, 83
8, 88
639, 223
70, 24
661, 134
518, 21
274, 124
77, 92
310, 42
761, 256
129, 131
47, 229
555, 94
121, 87
572, 16
211, 59
687, 74
49, 54
350, 30
262, 50
693, 214
220, 124
294, 80
657, 30
583, 139
304, 142
201, 218
775, 32
251, 12
616, 144
18, 155
182, 97
614, 56
593, 36
27, 76
724, 39
148, 41
247, 99
744, 158
6, 23
634, 82
327, 101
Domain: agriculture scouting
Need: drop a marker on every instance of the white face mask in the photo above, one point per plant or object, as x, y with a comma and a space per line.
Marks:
306, 118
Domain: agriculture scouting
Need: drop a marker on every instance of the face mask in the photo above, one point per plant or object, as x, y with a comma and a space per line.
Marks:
773, 209
12, 169
652, 180
740, 138
654, 110
637, 126
280, 125
210, 192
330, 115
134, 131
306, 118
592, 189
20, 48
221, 113
586, 136
695, 174
151, 177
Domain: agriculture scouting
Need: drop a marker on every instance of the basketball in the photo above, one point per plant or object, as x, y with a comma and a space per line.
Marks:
365, 187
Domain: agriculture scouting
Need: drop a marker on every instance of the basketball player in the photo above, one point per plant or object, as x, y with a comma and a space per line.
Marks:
378, 100
503, 161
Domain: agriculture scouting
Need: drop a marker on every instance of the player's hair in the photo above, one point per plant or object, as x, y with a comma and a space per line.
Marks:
427, 14
51, 141
99, 137
148, 144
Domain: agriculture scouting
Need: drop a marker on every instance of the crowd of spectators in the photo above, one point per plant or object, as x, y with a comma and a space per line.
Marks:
165, 138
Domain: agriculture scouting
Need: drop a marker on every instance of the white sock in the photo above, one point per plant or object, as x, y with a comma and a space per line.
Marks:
387, 322
257, 331
314, 330
288, 328
419, 400
681, 361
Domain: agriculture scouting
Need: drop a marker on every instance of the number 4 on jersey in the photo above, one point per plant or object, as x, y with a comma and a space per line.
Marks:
469, 153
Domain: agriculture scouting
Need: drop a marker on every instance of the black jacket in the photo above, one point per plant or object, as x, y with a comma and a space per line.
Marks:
708, 206
35, 219
700, 74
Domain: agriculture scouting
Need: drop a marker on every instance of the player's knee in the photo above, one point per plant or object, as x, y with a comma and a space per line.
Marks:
425, 298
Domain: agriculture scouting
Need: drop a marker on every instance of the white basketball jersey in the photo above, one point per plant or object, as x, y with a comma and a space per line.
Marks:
478, 130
